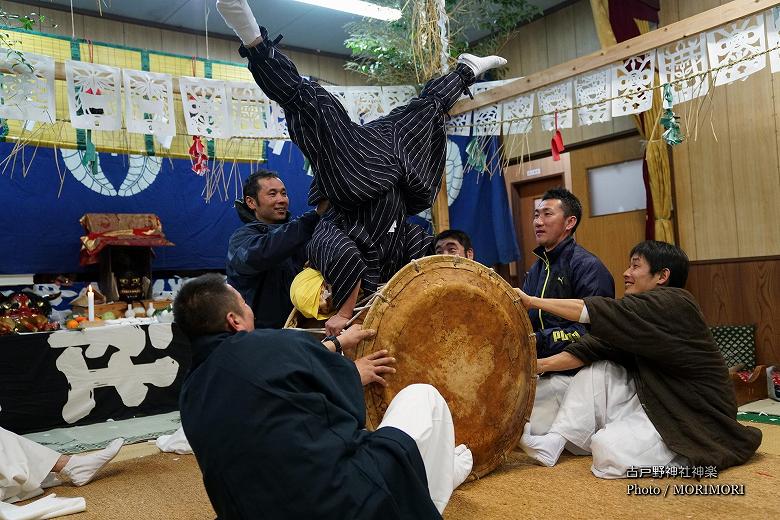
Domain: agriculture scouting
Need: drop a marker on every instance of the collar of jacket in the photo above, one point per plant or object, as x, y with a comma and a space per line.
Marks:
556, 251
204, 346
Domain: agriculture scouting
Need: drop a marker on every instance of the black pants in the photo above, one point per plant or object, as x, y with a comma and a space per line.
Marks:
375, 175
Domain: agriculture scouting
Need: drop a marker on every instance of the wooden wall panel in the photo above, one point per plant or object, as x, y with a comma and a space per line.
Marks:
610, 237
742, 292
728, 164
561, 36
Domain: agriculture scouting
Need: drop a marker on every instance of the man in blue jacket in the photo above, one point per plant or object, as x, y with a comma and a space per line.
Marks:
276, 420
564, 269
267, 252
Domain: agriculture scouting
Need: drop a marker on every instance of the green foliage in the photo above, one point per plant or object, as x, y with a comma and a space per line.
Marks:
26, 22
383, 51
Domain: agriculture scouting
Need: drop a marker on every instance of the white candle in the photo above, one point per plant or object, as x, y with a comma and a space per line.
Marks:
91, 303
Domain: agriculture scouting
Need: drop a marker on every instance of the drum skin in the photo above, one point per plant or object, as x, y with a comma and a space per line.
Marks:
457, 325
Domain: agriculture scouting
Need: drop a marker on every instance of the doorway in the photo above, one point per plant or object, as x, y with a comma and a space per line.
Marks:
525, 184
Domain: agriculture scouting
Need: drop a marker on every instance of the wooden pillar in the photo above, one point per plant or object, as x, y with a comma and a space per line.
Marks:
441, 210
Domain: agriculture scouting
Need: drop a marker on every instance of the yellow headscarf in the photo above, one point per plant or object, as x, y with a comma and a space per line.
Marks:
305, 293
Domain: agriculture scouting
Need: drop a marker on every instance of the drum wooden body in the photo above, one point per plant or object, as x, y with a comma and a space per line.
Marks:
457, 325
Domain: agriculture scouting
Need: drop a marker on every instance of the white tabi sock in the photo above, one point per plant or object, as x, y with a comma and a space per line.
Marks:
80, 469
239, 17
51, 480
464, 461
546, 449
480, 65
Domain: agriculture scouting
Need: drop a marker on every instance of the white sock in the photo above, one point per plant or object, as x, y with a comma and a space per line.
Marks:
51, 480
239, 17
480, 65
546, 449
464, 461
80, 469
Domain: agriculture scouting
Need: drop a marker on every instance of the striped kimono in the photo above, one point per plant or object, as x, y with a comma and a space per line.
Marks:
375, 175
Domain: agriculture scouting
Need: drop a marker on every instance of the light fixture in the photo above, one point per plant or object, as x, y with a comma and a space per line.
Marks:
358, 7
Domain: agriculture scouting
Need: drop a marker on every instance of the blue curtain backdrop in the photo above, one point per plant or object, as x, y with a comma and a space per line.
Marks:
40, 225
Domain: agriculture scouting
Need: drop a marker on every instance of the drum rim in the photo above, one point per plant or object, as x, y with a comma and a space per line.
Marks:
402, 278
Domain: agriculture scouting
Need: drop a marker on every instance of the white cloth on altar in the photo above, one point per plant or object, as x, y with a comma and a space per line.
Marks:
601, 414
24, 464
175, 443
422, 413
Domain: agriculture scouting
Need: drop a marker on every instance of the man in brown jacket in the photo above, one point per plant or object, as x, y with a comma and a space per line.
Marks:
656, 391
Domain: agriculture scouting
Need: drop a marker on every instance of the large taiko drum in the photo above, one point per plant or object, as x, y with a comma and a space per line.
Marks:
457, 325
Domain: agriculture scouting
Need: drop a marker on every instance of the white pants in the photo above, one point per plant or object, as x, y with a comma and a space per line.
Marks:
422, 413
601, 414
24, 464
550, 391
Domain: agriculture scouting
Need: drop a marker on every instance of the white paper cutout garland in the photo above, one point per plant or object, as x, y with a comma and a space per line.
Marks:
206, 107
517, 115
632, 82
28, 95
250, 111
685, 59
487, 119
149, 103
772, 25
556, 98
94, 95
397, 96
733, 42
590, 88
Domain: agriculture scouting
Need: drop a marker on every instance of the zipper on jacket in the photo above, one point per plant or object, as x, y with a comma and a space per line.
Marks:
544, 287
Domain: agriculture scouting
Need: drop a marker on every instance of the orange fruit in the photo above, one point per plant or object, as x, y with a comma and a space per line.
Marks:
72, 324
80, 318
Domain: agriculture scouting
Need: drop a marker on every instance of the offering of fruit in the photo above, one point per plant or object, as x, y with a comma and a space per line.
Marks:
72, 324
108, 316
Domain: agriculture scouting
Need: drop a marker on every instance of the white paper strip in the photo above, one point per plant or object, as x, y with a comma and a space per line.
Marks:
592, 90
517, 115
632, 82
206, 107
397, 95
94, 95
460, 124
340, 93
28, 95
250, 111
279, 121
556, 98
772, 19
149, 103
685, 59
487, 119
733, 43
367, 103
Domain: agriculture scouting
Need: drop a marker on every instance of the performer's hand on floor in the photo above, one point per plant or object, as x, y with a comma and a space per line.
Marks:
373, 365
335, 325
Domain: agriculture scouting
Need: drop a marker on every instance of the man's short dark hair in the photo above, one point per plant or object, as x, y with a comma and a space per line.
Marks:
461, 236
252, 183
572, 207
660, 256
201, 305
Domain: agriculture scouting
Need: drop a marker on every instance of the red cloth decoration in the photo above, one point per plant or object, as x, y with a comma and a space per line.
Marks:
113, 229
199, 157
556, 144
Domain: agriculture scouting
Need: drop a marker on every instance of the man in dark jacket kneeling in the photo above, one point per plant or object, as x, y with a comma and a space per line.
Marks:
277, 421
